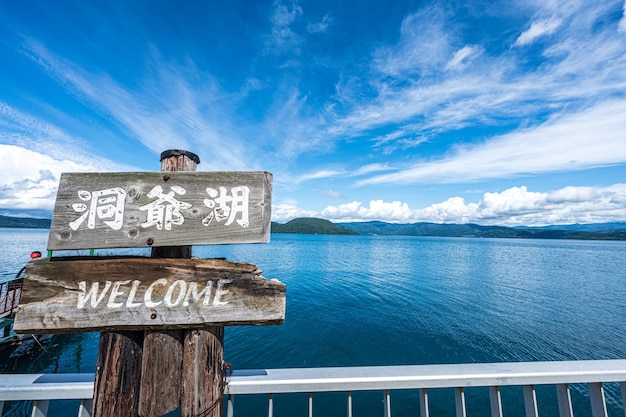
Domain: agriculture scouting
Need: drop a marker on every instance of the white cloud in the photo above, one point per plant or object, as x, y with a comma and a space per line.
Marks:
622, 23
331, 193
367, 169
516, 206
283, 38
321, 26
581, 65
423, 47
284, 212
538, 29
325, 173
378, 209
591, 138
29, 179
35, 153
34, 134
463, 56
573, 195
453, 210
168, 111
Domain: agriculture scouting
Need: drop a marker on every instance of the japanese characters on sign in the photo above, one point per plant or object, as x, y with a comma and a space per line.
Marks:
145, 209
101, 207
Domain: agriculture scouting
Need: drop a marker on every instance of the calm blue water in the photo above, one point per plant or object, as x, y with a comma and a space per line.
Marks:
368, 300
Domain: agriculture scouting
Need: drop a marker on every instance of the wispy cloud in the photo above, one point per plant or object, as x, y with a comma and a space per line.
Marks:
325, 173
27, 133
425, 44
489, 88
463, 56
538, 29
589, 139
332, 194
282, 37
171, 109
553, 88
321, 26
622, 23
368, 169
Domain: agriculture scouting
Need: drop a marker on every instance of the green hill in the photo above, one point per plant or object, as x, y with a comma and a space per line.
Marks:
320, 226
306, 225
24, 222
475, 230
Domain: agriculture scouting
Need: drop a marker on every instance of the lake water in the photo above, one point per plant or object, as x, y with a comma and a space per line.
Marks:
373, 300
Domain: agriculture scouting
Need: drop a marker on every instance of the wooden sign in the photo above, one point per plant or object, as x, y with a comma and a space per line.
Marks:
69, 294
139, 209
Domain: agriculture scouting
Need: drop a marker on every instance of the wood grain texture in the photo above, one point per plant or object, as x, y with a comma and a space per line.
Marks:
116, 387
63, 295
162, 358
203, 361
161, 372
87, 214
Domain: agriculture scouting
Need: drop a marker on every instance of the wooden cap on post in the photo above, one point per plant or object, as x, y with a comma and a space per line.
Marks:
179, 160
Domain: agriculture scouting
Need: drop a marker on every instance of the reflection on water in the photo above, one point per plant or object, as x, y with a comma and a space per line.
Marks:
369, 300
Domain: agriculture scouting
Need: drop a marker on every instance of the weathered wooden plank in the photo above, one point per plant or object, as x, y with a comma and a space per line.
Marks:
203, 376
162, 360
68, 294
116, 388
141, 209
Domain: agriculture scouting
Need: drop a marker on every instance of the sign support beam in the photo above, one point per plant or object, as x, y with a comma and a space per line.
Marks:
165, 347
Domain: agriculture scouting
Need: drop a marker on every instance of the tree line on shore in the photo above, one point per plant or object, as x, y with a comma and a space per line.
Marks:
604, 231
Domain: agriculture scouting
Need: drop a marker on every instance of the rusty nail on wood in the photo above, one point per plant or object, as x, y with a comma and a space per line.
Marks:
153, 316
166, 177
150, 241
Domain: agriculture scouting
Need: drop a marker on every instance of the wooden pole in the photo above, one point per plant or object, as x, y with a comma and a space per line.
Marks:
118, 371
139, 373
162, 361
202, 364
203, 381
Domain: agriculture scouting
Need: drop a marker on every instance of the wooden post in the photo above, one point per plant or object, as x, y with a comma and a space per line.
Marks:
118, 370
203, 355
140, 387
163, 350
203, 370
172, 161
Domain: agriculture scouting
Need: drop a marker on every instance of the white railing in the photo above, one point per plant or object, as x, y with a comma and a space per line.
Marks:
42, 388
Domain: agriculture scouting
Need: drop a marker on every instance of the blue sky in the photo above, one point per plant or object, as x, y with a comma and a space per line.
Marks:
492, 112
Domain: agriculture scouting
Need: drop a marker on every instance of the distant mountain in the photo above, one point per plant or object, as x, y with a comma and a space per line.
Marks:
305, 225
24, 222
475, 230
319, 226
591, 227
421, 229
